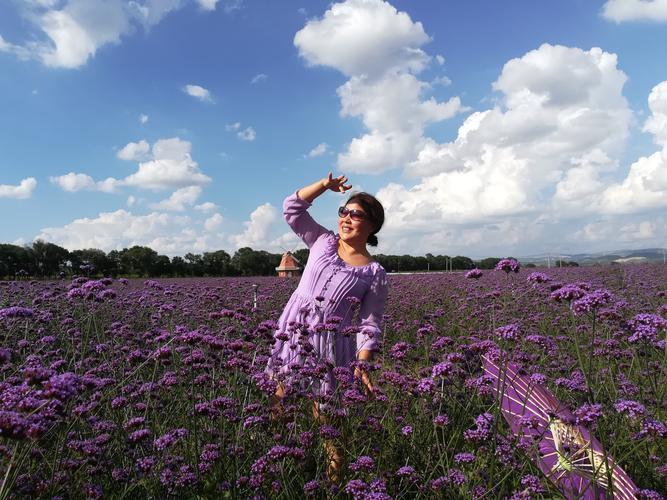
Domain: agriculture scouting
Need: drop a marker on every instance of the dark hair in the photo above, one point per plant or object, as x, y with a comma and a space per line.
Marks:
375, 212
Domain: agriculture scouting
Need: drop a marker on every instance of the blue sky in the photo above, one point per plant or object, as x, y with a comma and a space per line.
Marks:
486, 128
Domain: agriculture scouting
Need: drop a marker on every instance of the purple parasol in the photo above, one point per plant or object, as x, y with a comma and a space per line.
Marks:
565, 452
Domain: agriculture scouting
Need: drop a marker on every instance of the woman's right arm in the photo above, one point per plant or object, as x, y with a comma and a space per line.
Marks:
295, 207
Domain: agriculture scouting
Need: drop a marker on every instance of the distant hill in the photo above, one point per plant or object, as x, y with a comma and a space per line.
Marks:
654, 255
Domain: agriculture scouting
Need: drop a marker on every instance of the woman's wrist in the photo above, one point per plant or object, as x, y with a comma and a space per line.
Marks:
365, 355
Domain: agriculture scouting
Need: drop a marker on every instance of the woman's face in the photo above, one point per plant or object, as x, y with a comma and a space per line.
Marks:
352, 230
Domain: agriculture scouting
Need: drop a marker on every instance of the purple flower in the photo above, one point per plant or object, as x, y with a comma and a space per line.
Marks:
16, 312
508, 265
464, 458
631, 408
329, 432
357, 488
363, 463
139, 435
591, 301
474, 274
482, 429
441, 420
508, 332
407, 471
537, 277
646, 327
568, 293
588, 414
407, 430
442, 369
311, 488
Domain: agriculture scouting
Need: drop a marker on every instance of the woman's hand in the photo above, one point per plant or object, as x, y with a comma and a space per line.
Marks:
336, 183
365, 356
362, 375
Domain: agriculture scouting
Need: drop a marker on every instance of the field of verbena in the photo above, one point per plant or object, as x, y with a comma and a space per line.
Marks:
155, 388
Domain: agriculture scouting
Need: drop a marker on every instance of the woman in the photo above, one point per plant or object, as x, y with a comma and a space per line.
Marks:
315, 328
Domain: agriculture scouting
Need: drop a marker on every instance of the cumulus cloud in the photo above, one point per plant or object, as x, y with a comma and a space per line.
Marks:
143, 118
199, 92
206, 207
73, 182
257, 228
22, 191
169, 165
645, 186
561, 120
179, 199
379, 49
133, 151
213, 222
318, 150
635, 10
121, 229
363, 37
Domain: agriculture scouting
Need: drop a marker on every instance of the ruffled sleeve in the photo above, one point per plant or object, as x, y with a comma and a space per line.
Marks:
371, 312
297, 217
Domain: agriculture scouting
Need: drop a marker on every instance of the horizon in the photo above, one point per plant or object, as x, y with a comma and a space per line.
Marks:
182, 126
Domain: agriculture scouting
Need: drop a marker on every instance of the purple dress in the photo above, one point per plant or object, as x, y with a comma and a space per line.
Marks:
316, 324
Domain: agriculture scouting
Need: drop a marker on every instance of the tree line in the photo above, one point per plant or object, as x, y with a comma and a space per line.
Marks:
48, 260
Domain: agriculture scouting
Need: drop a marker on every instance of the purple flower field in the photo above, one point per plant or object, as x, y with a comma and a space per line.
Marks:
117, 388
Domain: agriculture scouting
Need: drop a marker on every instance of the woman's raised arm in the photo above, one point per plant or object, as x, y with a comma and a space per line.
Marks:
309, 193
295, 207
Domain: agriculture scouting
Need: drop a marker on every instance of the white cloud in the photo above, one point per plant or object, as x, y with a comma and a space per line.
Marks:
379, 48
363, 37
120, 229
73, 182
206, 207
199, 92
171, 166
257, 228
635, 10
207, 4
657, 122
247, 134
622, 232
287, 241
261, 77
214, 222
179, 199
645, 186
562, 110
20, 52
22, 191
392, 109
143, 118
318, 150
133, 151
131, 200
68, 33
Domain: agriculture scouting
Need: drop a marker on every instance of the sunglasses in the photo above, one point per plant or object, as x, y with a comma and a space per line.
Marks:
356, 215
